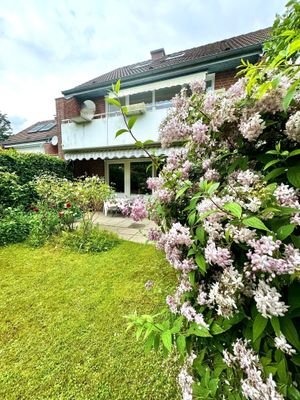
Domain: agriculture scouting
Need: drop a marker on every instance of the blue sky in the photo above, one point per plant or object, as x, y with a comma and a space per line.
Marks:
50, 46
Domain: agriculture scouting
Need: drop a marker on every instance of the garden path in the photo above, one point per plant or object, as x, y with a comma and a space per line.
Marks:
125, 227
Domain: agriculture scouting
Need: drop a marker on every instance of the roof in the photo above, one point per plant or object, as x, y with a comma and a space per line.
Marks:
25, 136
196, 54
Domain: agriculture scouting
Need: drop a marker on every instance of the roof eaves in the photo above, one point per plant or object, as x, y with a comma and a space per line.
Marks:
202, 63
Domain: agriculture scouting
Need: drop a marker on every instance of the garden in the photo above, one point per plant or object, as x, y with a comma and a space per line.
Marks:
66, 289
218, 300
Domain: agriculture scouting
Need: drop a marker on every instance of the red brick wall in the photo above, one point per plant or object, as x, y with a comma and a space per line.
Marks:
50, 149
225, 79
88, 167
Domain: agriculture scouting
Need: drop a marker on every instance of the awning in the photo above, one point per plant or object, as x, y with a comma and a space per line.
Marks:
121, 153
181, 80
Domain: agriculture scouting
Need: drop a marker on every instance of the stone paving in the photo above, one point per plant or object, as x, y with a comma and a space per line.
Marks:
125, 227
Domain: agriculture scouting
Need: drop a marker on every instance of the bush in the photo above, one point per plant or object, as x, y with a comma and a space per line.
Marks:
12, 193
29, 165
228, 207
15, 226
89, 240
44, 224
19, 169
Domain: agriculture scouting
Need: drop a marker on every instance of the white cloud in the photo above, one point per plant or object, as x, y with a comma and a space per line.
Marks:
47, 47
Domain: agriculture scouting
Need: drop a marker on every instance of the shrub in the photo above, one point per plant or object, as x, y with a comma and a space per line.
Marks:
15, 226
228, 207
12, 193
29, 165
44, 224
89, 240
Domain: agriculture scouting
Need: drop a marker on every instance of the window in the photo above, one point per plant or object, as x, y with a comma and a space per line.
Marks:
112, 108
210, 82
166, 94
116, 175
139, 173
144, 97
129, 176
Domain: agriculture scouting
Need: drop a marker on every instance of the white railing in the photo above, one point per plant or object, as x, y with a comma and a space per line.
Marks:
149, 108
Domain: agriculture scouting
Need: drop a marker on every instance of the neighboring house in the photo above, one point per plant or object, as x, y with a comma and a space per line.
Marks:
87, 124
40, 137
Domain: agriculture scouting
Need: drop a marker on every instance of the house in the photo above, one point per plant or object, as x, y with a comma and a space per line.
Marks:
87, 124
41, 137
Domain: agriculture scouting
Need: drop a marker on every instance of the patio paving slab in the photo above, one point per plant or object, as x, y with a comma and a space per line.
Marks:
126, 228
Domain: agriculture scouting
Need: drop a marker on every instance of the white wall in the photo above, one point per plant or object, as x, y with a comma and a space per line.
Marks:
29, 148
101, 132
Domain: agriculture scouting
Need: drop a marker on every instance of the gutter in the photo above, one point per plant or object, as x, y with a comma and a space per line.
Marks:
171, 71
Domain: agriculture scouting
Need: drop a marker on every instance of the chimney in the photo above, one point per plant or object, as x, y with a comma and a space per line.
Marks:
157, 54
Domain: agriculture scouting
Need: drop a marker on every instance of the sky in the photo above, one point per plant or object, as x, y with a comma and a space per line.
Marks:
50, 46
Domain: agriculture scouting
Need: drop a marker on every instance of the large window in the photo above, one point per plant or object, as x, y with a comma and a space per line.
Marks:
139, 173
129, 176
116, 174
144, 97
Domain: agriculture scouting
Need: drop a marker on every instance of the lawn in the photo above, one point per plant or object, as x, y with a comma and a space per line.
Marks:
62, 327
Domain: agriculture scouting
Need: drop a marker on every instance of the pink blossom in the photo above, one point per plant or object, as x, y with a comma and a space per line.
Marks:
218, 255
138, 210
252, 127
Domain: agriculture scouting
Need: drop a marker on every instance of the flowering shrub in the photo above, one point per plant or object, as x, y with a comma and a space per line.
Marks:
136, 209
228, 207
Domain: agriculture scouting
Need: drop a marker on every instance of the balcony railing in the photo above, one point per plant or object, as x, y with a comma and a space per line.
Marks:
149, 108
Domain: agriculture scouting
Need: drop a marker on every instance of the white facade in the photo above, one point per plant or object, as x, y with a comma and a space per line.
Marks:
101, 131
34, 147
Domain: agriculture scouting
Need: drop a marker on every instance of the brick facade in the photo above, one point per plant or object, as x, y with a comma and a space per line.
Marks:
225, 79
50, 149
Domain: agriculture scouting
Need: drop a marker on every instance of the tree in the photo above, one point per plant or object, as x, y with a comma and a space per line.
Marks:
5, 127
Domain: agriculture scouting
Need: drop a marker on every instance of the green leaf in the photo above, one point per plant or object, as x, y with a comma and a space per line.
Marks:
166, 338
132, 121
294, 153
182, 190
149, 343
198, 330
294, 295
200, 234
282, 372
296, 359
293, 175
270, 163
120, 132
113, 101
147, 142
234, 208
200, 261
275, 173
284, 231
181, 344
177, 325
256, 223
276, 325
213, 188
259, 326
288, 97
117, 86
289, 330
293, 393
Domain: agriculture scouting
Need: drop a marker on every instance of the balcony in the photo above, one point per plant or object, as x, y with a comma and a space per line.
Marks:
100, 133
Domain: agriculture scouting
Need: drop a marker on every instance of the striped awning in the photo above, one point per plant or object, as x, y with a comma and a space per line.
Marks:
117, 154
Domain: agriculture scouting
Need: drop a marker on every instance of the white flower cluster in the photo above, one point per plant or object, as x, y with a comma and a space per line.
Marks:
268, 301
253, 386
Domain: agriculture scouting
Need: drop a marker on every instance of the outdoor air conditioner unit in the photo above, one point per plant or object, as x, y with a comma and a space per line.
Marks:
136, 109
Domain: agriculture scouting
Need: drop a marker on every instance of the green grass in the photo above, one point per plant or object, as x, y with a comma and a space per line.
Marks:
62, 331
